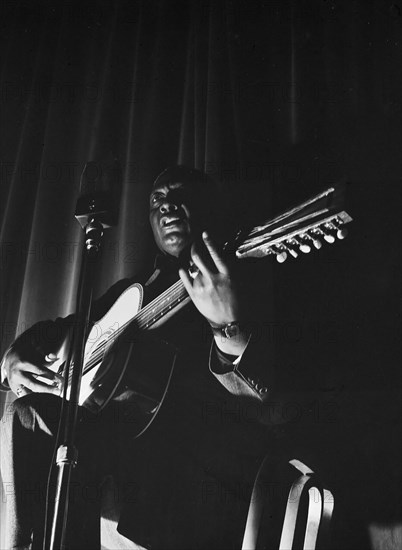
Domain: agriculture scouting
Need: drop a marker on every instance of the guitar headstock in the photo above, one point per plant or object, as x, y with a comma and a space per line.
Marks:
320, 218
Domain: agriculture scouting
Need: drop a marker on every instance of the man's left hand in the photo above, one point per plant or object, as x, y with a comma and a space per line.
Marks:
213, 292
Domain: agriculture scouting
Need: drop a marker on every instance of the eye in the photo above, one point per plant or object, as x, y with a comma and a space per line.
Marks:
155, 198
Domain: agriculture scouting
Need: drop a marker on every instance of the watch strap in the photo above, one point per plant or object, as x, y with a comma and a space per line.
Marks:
227, 330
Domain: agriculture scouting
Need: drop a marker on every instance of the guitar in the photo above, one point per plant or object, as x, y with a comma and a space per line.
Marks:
297, 230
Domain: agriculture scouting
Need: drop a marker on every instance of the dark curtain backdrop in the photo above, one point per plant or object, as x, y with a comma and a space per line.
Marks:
275, 100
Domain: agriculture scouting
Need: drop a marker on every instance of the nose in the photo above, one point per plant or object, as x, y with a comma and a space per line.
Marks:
167, 206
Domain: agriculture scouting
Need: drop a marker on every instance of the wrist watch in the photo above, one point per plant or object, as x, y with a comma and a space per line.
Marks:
228, 330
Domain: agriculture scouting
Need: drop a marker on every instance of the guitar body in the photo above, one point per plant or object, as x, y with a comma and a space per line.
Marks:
125, 367
101, 340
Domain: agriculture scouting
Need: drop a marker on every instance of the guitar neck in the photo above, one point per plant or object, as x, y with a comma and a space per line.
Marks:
160, 307
298, 229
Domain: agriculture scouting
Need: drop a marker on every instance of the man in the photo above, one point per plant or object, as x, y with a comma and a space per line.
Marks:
183, 479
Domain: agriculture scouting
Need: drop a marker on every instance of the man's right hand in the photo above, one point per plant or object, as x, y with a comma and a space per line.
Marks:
25, 377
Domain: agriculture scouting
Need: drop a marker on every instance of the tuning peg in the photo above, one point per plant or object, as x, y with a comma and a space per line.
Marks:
316, 242
280, 252
328, 233
301, 243
304, 246
334, 227
281, 257
329, 237
341, 232
289, 246
325, 233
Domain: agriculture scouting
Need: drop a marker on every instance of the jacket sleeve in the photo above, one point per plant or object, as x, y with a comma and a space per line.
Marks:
250, 375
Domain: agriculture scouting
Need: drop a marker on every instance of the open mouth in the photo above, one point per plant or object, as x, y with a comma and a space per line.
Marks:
168, 221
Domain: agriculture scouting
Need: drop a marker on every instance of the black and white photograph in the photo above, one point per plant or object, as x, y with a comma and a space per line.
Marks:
200, 266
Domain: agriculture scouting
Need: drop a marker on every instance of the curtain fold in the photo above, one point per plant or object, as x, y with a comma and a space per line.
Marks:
263, 97
275, 100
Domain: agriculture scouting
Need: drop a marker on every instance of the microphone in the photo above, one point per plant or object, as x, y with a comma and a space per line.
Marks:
97, 201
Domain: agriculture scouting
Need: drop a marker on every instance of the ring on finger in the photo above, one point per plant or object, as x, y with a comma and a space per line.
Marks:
193, 271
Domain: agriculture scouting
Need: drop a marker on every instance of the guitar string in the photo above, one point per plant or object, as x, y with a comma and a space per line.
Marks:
145, 315
143, 318
172, 296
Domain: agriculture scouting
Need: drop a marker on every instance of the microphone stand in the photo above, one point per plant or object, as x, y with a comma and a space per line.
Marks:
92, 213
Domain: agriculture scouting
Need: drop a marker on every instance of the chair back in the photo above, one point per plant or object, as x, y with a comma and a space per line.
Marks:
289, 509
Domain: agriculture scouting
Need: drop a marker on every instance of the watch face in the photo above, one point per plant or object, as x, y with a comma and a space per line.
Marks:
231, 330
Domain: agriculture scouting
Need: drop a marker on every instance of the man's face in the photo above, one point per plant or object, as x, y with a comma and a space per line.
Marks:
173, 216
